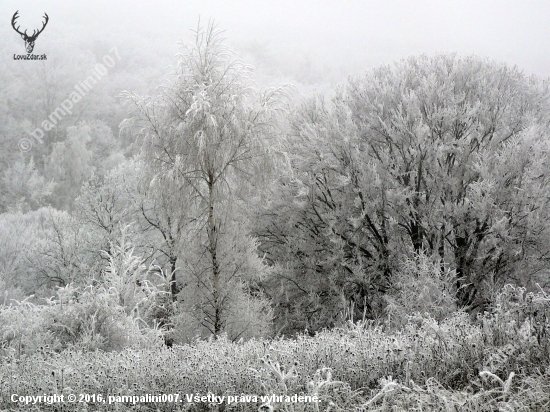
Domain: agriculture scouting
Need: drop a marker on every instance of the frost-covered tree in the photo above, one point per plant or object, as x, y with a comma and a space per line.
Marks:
70, 165
204, 138
42, 249
463, 147
23, 186
104, 207
150, 207
442, 155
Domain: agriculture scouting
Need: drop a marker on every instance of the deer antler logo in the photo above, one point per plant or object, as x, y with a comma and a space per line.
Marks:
29, 40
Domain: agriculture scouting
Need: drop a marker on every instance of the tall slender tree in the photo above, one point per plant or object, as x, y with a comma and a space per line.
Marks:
206, 133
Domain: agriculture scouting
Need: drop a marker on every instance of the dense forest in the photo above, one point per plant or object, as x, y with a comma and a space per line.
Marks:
383, 245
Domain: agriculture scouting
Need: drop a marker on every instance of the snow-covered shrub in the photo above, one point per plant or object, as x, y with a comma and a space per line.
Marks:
420, 286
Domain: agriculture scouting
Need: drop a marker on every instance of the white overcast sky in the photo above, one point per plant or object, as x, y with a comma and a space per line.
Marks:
347, 35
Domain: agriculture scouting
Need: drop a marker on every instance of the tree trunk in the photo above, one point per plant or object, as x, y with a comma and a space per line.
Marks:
173, 287
466, 252
441, 249
212, 245
417, 235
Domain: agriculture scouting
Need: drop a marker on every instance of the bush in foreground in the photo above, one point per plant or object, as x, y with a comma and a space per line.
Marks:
498, 363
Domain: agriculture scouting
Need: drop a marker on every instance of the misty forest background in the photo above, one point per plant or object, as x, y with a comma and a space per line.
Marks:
383, 243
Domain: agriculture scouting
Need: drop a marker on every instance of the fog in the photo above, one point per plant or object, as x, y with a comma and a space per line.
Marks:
305, 42
192, 239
